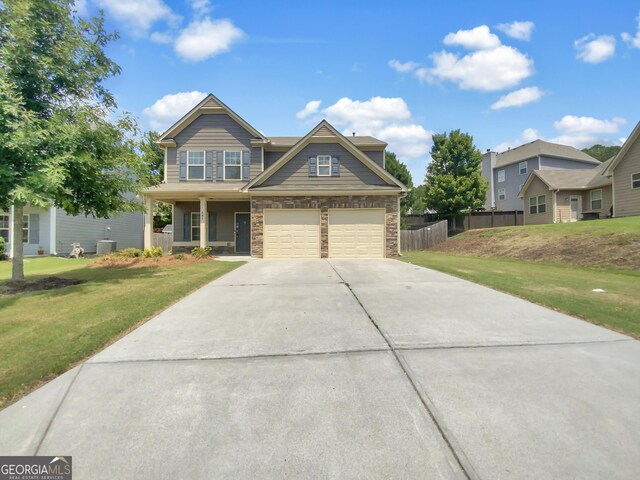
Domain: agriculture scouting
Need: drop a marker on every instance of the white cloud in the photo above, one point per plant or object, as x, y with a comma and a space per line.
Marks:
164, 112
517, 30
161, 37
479, 38
206, 38
201, 7
592, 49
485, 70
138, 15
81, 8
633, 40
388, 119
406, 67
528, 135
518, 98
574, 125
309, 109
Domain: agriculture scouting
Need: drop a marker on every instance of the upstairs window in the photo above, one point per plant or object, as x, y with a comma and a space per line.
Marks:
538, 204
635, 180
232, 165
596, 199
501, 176
501, 194
522, 168
195, 165
324, 165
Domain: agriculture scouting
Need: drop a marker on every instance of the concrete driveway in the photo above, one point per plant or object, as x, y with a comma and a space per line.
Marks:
344, 369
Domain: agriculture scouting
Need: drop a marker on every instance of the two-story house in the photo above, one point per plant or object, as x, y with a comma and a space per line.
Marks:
235, 189
507, 172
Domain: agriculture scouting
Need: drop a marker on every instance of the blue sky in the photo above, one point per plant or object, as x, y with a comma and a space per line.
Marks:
506, 72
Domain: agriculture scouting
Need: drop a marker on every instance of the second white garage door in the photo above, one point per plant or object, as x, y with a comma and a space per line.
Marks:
356, 233
291, 233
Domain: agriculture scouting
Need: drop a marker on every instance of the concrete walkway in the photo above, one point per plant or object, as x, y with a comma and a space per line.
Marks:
344, 369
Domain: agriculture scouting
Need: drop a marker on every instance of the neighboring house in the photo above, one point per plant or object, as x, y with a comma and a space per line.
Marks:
558, 196
234, 189
624, 171
55, 231
507, 172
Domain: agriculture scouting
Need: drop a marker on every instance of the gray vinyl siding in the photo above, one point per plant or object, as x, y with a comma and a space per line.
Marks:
552, 163
127, 229
211, 132
538, 187
271, 157
353, 173
225, 218
627, 199
512, 183
377, 157
255, 168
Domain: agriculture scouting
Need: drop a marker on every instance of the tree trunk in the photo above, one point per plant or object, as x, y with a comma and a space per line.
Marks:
17, 274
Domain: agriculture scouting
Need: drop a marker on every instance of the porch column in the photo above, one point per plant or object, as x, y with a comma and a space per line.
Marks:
11, 242
148, 221
204, 231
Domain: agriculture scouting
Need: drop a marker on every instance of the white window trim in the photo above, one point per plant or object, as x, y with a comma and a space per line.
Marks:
204, 165
537, 204
504, 176
633, 181
224, 164
545, 203
8, 229
597, 199
526, 168
318, 166
194, 225
504, 194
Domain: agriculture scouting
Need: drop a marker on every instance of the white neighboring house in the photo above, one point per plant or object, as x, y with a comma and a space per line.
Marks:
55, 231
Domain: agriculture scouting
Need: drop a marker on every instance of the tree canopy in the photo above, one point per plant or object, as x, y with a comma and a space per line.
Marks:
602, 152
454, 182
60, 146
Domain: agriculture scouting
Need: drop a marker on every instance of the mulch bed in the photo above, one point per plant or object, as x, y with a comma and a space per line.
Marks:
139, 262
47, 283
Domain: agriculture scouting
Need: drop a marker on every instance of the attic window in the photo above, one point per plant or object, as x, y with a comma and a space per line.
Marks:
324, 165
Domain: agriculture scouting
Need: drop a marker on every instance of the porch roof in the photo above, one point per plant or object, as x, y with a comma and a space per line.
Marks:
178, 191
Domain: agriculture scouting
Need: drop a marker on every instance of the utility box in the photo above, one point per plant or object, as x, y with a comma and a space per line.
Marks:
106, 246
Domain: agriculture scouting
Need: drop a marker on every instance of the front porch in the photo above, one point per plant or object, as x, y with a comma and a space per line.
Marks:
223, 225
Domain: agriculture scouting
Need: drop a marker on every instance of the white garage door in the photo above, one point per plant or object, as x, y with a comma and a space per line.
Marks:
291, 233
356, 233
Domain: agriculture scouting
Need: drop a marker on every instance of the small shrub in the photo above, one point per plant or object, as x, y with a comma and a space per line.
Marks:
199, 252
3, 248
129, 253
154, 252
179, 256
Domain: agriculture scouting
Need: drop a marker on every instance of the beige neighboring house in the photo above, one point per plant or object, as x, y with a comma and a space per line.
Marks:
560, 196
624, 171
236, 190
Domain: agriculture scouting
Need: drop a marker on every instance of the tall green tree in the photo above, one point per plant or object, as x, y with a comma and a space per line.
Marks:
454, 182
57, 144
399, 170
153, 155
601, 152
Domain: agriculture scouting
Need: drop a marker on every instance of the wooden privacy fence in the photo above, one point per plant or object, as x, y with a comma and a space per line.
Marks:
423, 238
164, 240
508, 218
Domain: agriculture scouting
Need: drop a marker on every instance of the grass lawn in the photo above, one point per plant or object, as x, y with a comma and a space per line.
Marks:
562, 287
43, 334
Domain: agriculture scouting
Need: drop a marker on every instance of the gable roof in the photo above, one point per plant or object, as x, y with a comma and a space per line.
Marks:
633, 138
540, 147
324, 132
570, 179
209, 104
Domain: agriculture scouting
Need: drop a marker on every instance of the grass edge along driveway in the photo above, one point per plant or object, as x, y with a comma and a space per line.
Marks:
564, 288
44, 334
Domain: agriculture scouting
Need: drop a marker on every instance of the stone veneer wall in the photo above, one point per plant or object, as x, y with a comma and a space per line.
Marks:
388, 202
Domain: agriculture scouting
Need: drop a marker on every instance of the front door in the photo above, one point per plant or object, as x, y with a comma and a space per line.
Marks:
243, 232
575, 208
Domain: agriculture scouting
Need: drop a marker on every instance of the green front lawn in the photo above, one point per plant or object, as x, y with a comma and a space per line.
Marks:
565, 288
43, 334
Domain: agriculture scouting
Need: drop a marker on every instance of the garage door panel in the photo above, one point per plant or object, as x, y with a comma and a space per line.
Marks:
357, 233
290, 233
